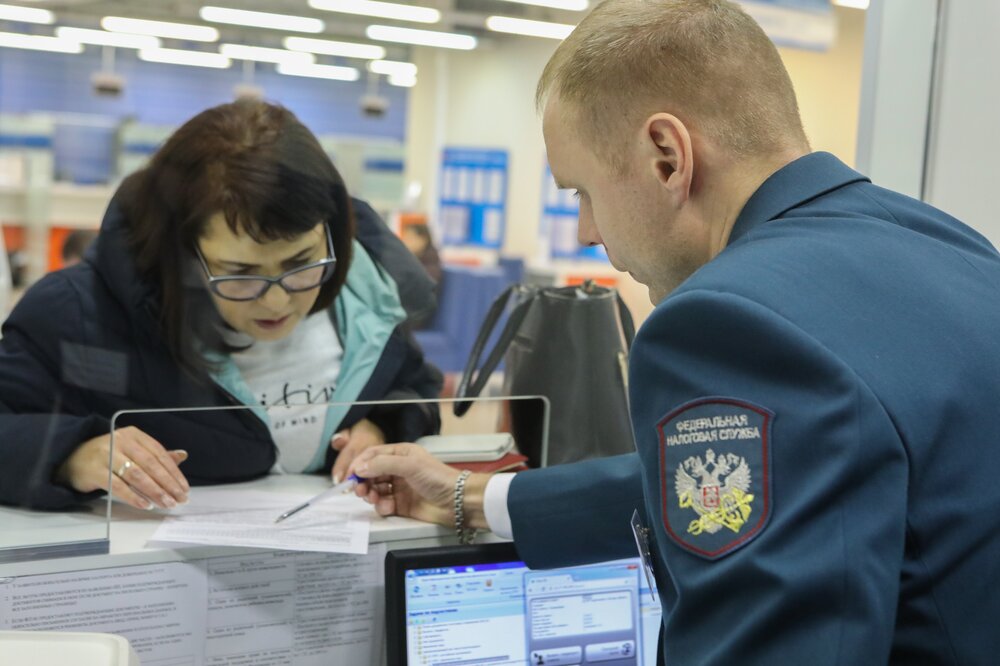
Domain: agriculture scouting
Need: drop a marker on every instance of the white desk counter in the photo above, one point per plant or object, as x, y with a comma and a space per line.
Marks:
132, 528
208, 605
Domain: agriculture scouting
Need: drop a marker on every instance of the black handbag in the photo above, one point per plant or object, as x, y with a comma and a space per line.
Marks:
569, 344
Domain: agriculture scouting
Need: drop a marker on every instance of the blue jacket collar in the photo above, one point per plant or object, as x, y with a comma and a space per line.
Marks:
792, 185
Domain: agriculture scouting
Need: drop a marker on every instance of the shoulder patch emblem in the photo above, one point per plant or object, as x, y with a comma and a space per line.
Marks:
715, 474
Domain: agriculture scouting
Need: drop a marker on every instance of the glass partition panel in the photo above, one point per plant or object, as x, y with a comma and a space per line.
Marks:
526, 418
27, 534
489, 435
233, 444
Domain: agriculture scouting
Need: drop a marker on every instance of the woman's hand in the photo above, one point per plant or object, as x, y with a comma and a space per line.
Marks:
350, 442
144, 473
405, 480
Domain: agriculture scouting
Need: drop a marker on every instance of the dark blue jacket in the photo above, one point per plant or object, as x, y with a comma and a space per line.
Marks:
817, 455
84, 342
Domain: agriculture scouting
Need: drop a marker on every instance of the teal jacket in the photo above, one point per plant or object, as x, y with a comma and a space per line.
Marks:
366, 314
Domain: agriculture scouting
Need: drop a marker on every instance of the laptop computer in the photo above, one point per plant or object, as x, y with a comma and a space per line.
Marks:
479, 604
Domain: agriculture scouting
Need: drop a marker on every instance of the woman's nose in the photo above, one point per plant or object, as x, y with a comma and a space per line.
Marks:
275, 298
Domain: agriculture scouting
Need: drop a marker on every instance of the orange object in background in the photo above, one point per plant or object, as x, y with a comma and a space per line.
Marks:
464, 261
13, 237
57, 237
406, 219
603, 280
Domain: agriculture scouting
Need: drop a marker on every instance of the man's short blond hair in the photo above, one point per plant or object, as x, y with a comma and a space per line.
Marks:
705, 61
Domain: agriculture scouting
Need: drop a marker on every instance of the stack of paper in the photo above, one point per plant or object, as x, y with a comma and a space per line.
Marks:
221, 516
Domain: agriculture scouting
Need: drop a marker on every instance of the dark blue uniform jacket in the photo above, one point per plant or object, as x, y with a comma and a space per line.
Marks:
818, 453
84, 342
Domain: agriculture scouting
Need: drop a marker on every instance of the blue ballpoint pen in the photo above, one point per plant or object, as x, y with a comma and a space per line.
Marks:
344, 486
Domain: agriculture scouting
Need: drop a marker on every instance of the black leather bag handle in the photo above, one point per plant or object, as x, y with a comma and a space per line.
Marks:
628, 324
472, 383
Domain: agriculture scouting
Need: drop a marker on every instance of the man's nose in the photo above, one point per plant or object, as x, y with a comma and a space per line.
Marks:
586, 230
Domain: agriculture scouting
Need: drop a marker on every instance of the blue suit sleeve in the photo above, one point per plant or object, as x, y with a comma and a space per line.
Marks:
819, 583
576, 513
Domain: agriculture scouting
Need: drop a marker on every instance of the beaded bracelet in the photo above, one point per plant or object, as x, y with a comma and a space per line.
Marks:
465, 535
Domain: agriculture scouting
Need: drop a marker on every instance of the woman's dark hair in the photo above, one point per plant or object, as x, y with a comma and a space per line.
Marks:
267, 174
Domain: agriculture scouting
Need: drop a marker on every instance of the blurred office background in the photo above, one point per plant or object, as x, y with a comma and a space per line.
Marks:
441, 132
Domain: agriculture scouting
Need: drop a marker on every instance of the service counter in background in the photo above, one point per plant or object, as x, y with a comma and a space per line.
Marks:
209, 606
464, 297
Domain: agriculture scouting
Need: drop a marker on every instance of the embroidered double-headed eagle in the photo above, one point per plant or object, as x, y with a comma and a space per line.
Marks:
717, 489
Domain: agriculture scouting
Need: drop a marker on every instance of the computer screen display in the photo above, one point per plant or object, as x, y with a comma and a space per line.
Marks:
459, 606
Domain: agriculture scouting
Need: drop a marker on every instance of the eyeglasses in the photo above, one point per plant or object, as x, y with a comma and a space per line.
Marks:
252, 287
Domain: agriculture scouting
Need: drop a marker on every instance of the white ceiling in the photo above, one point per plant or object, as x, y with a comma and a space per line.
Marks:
465, 16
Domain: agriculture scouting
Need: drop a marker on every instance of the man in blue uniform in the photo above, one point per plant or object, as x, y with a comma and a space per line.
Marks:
813, 396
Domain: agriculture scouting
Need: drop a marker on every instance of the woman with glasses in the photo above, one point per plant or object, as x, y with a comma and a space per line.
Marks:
233, 270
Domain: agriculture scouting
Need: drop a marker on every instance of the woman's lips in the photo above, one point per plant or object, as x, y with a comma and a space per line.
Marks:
271, 323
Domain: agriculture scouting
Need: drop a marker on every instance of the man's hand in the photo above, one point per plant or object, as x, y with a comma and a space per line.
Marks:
405, 480
350, 442
144, 473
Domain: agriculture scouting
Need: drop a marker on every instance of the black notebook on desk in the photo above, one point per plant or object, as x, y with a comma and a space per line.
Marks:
465, 605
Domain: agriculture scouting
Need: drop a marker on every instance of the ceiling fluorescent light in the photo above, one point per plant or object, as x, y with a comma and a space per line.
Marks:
516, 26
389, 10
445, 40
321, 71
853, 4
262, 54
261, 19
393, 68
104, 38
16, 40
331, 48
194, 33
403, 81
182, 57
26, 14
571, 5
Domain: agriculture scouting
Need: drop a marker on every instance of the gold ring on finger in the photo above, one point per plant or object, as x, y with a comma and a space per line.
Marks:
124, 467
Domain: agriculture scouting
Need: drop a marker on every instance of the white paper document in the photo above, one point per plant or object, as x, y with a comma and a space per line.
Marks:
266, 609
226, 517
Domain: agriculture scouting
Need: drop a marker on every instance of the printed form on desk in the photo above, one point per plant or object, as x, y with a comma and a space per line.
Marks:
260, 609
228, 517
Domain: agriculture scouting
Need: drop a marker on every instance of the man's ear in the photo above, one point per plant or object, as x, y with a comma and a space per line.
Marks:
670, 155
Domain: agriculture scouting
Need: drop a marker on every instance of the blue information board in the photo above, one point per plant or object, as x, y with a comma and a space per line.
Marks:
560, 214
473, 196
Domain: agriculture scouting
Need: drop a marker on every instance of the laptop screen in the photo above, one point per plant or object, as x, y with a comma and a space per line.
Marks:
467, 605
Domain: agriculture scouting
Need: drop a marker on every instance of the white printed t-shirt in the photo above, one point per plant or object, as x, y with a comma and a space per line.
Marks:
292, 379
